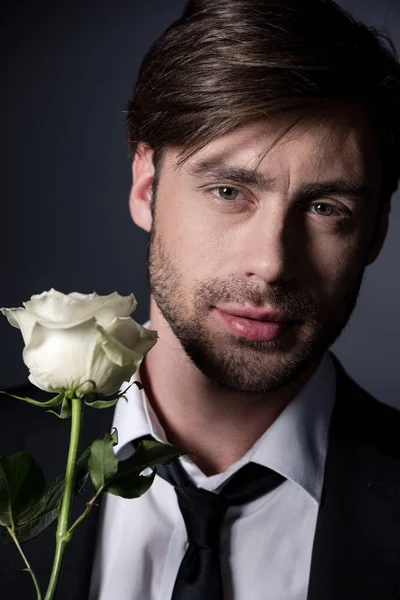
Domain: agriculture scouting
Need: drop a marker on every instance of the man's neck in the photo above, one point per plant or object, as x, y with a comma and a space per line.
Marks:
218, 426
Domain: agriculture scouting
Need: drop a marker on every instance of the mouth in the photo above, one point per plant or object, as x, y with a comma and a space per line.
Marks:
263, 329
252, 312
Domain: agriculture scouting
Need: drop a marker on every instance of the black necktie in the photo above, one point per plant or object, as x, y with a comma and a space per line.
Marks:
199, 575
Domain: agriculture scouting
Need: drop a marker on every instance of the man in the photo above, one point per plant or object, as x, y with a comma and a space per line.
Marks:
265, 139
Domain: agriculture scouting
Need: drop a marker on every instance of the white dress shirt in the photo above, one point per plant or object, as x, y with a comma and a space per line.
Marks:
266, 544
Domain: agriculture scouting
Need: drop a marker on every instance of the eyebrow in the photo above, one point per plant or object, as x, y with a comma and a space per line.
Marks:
345, 187
349, 188
232, 173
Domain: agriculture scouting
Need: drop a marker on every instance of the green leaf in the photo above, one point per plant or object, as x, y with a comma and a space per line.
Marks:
52, 502
120, 394
130, 484
54, 494
151, 452
103, 463
30, 530
100, 401
82, 470
22, 489
128, 481
66, 409
53, 402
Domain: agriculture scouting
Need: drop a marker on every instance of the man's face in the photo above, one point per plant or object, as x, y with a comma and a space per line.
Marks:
275, 223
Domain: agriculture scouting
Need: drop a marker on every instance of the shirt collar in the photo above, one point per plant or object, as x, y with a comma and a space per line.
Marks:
295, 445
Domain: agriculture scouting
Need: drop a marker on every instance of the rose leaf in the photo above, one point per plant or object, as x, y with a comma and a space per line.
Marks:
102, 462
22, 489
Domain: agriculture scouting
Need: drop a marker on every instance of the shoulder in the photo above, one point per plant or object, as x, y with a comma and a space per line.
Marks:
373, 422
380, 422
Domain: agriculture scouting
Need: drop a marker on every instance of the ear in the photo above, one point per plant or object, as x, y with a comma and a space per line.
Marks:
140, 198
380, 234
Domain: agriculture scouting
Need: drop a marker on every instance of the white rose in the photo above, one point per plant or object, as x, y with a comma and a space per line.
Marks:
72, 338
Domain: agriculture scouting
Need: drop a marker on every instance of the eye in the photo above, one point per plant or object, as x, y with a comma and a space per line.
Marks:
226, 192
326, 210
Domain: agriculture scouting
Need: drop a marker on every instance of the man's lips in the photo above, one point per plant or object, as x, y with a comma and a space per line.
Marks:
250, 312
251, 327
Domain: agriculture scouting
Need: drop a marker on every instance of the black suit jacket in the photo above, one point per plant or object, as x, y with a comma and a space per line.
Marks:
356, 551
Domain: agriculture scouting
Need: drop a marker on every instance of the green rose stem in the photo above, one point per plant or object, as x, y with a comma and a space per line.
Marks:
63, 535
11, 531
89, 507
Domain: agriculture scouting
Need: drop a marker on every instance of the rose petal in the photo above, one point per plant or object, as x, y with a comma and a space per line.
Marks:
117, 353
58, 358
75, 307
80, 296
108, 375
132, 335
19, 318
116, 362
118, 306
39, 384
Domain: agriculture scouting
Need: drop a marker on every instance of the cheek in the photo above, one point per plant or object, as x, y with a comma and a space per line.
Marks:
339, 265
199, 245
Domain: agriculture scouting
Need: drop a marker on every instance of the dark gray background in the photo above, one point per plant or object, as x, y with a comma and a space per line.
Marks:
68, 71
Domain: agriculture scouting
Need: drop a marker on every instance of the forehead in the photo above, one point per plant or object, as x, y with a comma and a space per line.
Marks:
336, 144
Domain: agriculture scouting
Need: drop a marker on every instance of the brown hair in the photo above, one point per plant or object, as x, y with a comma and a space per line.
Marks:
227, 63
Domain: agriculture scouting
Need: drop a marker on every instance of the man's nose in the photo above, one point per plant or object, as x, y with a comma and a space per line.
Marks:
271, 248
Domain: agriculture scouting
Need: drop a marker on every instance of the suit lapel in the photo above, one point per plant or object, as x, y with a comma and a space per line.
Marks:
356, 552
